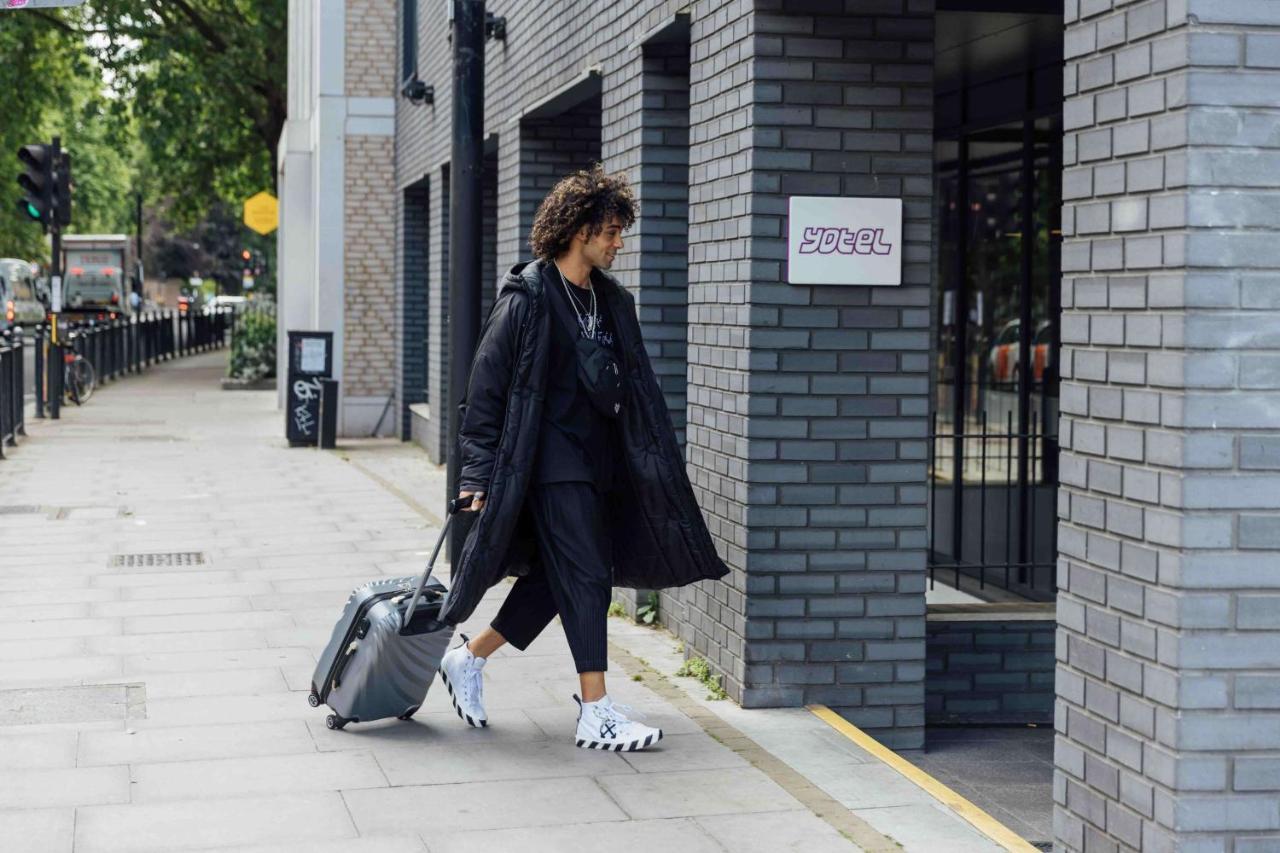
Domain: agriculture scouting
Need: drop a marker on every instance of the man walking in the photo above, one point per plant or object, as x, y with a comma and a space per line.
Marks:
570, 459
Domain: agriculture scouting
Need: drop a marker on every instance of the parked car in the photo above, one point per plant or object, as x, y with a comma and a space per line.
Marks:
1002, 359
20, 303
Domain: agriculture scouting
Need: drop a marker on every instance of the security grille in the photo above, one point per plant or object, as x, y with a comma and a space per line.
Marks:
172, 558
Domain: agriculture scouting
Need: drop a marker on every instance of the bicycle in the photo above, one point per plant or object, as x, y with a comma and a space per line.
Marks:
78, 376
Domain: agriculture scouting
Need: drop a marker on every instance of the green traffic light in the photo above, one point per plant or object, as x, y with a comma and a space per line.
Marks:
33, 211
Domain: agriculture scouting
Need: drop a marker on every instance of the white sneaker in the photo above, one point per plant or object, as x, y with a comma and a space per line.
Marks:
604, 725
462, 673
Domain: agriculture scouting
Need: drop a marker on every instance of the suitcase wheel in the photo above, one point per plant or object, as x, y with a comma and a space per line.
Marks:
313, 700
335, 722
408, 715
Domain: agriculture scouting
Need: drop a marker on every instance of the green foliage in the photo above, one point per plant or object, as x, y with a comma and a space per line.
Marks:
698, 668
50, 84
648, 612
207, 78
253, 347
616, 609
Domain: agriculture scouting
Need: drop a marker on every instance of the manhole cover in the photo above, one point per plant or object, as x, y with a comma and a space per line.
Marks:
19, 510
172, 558
73, 704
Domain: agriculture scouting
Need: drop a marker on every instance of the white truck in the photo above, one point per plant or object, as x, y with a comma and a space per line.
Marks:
97, 272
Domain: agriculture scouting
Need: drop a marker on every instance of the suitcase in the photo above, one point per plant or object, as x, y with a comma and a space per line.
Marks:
386, 648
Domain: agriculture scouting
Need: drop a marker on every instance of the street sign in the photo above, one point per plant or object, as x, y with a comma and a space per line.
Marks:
37, 4
262, 213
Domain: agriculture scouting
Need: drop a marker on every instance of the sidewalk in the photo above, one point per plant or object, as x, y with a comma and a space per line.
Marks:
158, 703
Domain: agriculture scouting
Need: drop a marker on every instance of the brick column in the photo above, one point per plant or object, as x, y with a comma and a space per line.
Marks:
809, 405
645, 109
1168, 710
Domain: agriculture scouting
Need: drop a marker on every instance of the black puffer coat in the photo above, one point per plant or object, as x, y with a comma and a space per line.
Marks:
658, 536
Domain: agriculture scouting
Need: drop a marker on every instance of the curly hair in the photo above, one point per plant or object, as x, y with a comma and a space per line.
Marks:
587, 197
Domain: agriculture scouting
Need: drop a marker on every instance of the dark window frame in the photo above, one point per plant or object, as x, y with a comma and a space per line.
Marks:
408, 40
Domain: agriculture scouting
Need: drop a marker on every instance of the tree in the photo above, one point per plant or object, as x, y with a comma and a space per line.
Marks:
206, 83
51, 85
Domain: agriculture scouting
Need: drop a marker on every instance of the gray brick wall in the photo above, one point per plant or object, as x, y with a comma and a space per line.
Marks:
835, 379
1168, 646
984, 670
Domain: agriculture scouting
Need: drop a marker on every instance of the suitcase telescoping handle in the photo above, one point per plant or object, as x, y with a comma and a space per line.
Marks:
454, 506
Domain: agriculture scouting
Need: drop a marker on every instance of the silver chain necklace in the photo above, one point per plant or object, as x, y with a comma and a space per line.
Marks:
586, 323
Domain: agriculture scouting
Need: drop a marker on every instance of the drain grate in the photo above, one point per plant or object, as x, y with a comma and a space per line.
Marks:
171, 558
23, 509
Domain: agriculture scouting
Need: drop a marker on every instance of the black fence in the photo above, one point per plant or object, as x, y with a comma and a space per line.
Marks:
115, 348
12, 381
993, 509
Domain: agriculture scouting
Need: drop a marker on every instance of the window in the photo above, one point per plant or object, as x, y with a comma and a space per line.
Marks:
408, 40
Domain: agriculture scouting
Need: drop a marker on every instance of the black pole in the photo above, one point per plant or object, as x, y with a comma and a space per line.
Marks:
137, 262
466, 162
55, 364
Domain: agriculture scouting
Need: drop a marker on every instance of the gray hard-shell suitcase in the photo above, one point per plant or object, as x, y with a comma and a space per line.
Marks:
385, 649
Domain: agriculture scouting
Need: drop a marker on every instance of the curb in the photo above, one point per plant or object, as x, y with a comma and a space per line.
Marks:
974, 816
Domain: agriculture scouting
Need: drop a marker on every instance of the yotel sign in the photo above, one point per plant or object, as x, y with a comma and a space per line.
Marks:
844, 240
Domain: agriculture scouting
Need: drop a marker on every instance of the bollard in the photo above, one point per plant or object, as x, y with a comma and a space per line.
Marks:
54, 366
328, 413
38, 373
7, 432
20, 382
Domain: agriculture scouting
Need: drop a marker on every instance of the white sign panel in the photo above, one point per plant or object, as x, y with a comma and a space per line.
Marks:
312, 360
844, 240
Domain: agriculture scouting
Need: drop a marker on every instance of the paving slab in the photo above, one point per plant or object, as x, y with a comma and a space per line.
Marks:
431, 809
78, 786
24, 750
37, 830
697, 792
192, 743
255, 776
197, 824
774, 832
445, 761
679, 835
396, 843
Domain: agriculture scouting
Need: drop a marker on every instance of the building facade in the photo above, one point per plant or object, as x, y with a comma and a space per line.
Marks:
1067, 408
336, 245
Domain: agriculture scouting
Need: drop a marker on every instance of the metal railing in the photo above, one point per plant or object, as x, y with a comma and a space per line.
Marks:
992, 507
114, 347
12, 355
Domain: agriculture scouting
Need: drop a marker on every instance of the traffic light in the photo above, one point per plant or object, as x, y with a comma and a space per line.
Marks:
46, 184
62, 187
37, 182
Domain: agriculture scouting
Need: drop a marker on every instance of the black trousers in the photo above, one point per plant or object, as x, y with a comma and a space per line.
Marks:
574, 578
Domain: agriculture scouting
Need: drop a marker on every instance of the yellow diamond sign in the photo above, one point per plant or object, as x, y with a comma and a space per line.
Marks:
262, 213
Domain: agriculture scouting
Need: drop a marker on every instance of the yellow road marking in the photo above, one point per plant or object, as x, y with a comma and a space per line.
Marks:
976, 817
